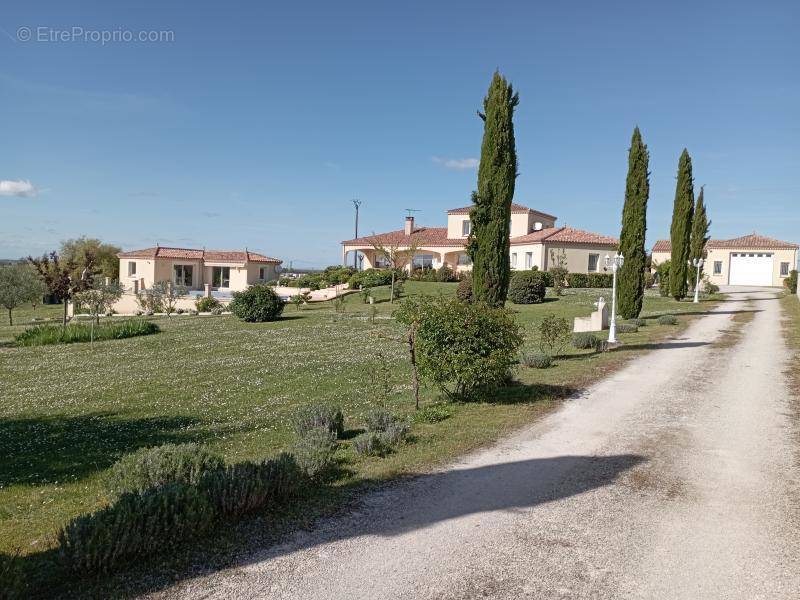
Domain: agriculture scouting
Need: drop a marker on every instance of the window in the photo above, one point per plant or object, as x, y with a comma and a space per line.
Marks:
221, 277
131, 268
514, 260
263, 273
465, 228
423, 261
528, 260
784, 269
594, 260
182, 275
382, 261
464, 260
718, 267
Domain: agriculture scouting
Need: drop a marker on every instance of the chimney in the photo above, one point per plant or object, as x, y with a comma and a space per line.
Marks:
409, 225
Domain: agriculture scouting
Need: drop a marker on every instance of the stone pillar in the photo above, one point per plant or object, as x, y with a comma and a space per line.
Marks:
108, 281
207, 290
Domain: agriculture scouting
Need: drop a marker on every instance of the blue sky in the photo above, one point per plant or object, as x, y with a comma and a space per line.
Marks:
260, 121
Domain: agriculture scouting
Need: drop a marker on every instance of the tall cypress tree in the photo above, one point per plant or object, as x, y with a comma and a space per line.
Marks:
491, 211
700, 226
630, 281
680, 232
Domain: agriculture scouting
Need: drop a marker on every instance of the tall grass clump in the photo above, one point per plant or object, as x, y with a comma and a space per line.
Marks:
585, 341
314, 452
315, 416
42, 335
667, 320
151, 467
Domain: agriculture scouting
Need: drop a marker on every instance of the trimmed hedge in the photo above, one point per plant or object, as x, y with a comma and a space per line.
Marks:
527, 287
589, 280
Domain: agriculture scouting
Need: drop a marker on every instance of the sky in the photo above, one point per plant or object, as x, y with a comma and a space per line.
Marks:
254, 124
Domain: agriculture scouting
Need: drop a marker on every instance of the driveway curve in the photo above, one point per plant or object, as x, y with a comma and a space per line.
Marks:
673, 478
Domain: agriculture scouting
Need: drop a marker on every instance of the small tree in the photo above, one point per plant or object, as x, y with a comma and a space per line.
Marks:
554, 335
398, 253
558, 270
58, 277
699, 237
100, 298
680, 232
19, 283
104, 259
169, 293
410, 314
465, 348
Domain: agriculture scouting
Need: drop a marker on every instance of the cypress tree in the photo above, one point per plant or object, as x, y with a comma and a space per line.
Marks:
491, 212
700, 226
630, 280
680, 232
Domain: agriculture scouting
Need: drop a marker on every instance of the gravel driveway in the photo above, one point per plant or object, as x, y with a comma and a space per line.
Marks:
673, 478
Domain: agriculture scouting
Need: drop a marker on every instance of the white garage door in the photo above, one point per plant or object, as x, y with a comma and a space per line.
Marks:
751, 268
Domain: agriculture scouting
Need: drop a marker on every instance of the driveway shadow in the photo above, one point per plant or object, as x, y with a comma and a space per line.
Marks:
394, 509
659, 346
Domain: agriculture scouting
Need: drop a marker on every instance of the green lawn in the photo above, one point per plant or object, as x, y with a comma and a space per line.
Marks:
68, 412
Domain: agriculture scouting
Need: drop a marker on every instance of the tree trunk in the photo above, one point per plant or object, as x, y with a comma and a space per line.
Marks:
10, 322
412, 349
64, 321
391, 294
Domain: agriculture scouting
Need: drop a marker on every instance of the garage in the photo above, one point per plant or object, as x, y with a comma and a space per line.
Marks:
751, 268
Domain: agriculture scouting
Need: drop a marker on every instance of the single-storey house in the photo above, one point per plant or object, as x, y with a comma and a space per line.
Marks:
220, 270
748, 260
535, 242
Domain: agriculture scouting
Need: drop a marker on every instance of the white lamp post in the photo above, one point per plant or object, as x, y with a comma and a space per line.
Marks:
615, 262
697, 263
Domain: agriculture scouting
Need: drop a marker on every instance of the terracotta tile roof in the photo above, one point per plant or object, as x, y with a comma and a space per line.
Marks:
194, 254
567, 235
421, 236
662, 246
752, 241
746, 241
515, 209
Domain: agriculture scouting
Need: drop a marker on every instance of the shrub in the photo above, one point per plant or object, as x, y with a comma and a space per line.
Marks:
379, 420
464, 348
662, 270
649, 279
585, 340
526, 287
713, 288
337, 274
395, 432
151, 467
217, 310
432, 414
638, 322
599, 280
464, 290
554, 333
667, 320
558, 276
370, 443
311, 281
537, 360
180, 311
790, 282
247, 486
42, 335
12, 583
397, 292
627, 328
314, 451
256, 304
206, 304
365, 294
445, 274
370, 278
578, 280
314, 416
137, 524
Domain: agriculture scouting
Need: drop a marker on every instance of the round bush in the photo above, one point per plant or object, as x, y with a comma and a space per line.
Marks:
257, 304
537, 360
667, 320
206, 304
464, 290
585, 340
527, 287
627, 328
638, 322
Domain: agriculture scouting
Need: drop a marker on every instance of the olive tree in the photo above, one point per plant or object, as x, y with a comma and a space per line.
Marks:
19, 284
100, 298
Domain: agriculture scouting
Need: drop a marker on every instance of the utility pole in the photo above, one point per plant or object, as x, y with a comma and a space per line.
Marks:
357, 204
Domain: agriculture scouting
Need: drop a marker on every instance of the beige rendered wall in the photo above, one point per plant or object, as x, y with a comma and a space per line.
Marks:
253, 272
659, 258
145, 270
454, 226
577, 256
536, 251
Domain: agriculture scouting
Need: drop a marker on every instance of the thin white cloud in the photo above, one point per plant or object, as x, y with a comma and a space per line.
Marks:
17, 187
457, 164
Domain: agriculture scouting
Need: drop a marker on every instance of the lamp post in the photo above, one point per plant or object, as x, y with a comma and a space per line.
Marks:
357, 205
615, 262
697, 263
